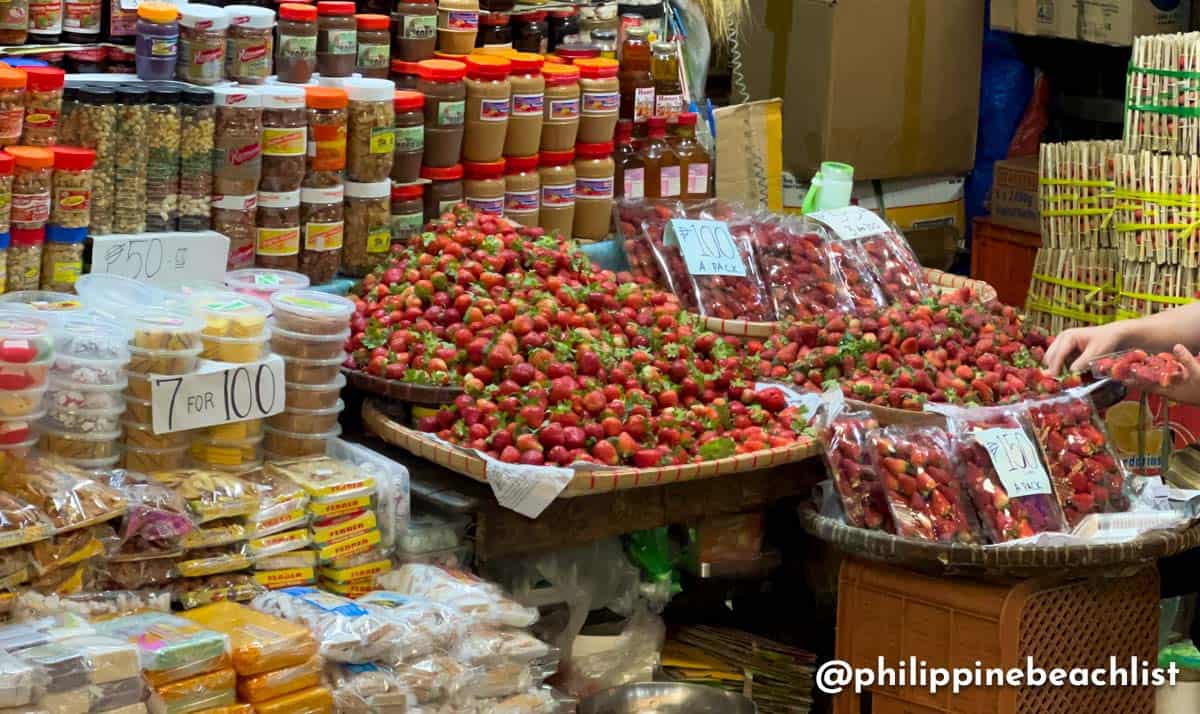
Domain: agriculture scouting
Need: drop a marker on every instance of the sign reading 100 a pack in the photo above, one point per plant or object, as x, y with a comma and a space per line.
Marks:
217, 393
708, 247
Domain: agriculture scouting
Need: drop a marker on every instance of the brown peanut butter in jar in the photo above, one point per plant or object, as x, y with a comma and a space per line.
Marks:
444, 191
374, 45
557, 171
405, 74
410, 136
484, 187
560, 125
337, 38
528, 105
408, 211
445, 110
594, 173
296, 51
600, 103
414, 31
458, 25
522, 189
489, 98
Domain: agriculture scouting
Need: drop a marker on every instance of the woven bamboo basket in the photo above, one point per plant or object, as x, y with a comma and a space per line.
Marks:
586, 481
400, 391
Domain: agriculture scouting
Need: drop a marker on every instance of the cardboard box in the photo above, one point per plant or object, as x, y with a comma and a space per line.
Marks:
1014, 201
1110, 22
891, 88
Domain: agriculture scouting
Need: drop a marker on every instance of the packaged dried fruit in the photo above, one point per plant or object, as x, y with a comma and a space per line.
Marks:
157, 516
214, 561
68, 496
144, 459
259, 642
1084, 468
795, 263
214, 533
314, 396
170, 648
165, 330
1139, 369
845, 435
272, 685
210, 495
234, 454
229, 314
78, 445
224, 587
68, 549
307, 421
916, 467
895, 267
312, 371
289, 343
311, 312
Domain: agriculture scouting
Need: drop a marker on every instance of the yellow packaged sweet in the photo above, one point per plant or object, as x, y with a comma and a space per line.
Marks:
341, 506
205, 691
264, 524
272, 685
280, 543
325, 478
286, 577
352, 546
351, 589
259, 642
233, 709
335, 530
223, 532
209, 494
213, 561
357, 572
316, 700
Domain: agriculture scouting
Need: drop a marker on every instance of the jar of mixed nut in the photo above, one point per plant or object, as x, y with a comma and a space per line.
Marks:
97, 130
6, 183
62, 258
368, 236
197, 120
67, 132
43, 103
235, 218
238, 157
285, 134
162, 165
133, 119
12, 105
251, 45
33, 168
322, 216
327, 120
371, 136
25, 257
408, 211
202, 37
72, 183
278, 243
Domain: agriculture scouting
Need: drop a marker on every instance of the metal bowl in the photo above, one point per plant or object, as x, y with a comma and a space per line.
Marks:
666, 698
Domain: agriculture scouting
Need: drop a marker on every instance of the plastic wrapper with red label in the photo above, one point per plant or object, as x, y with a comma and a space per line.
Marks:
259, 642
896, 267
855, 479
427, 626
1084, 469
368, 689
345, 631
68, 496
278, 682
916, 466
852, 270
795, 264
1140, 369
483, 602
233, 587
156, 516
170, 648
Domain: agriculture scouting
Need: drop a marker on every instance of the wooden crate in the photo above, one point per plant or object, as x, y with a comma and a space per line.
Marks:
1003, 257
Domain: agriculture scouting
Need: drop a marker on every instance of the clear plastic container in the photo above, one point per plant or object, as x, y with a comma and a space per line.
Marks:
203, 30
7, 166
289, 343
142, 435
196, 142
251, 44
312, 371
159, 328
12, 104
327, 122
285, 138
429, 532
80, 420
157, 42
72, 183
68, 395
371, 133
43, 104
133, 119
264, 283
24, 258
5, 240
119, 298
162, 161
238, 163
62, 258
72, 445
209, 451
322, 215
315, 396
235, 217
22, 402
408, 211
410, 136
374, 45
32, 179
307, 421
288, 444
368, 226
96, 129
278, 243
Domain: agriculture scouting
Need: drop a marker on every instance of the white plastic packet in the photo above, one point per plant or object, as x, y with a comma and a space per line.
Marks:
483, 602
428, 626
345, 631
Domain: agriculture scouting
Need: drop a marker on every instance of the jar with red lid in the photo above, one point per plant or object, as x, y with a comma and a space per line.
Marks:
522, 189
495, 32
530, 32
72, 185
600, 103
404, 74
524, 135
374, 45
410, 136
414, 32
444, 191
594, 174
563, 27
484, 187
296, 53
572, 51
337, 38
408, 211
489, 100
445, 110
557, 213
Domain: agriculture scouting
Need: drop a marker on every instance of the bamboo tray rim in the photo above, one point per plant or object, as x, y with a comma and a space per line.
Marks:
400, 391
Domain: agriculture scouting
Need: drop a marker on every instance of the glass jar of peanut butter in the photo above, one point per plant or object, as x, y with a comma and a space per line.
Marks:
601, 100
522, 189
560, 125
484, 186
528, 105
594, 173
557, 172
444, 191
489, 98
441, 81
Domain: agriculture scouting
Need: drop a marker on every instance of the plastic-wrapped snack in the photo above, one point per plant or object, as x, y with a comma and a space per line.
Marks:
896, 267
259, 642
210, 495
281, 681
140, 708
214, 561
852, 270
392, 501
427, 626
71, 701
355, 545
232, 587
366, 565
170, 648
277, 543
110, 603
1084, 468
368, 689
339, 528
68, 496
478, 599
493, 646
324, 478
916, 466
532, 701
281, 503
65, 668
845, 435
345, 631
108, 659
279, 578
292, 559
224, 531
115, 695
70, 548
21, 522
16, 567
194, 694
502, 680
436, 677
795, 263
141, 573
156, 517
314, 700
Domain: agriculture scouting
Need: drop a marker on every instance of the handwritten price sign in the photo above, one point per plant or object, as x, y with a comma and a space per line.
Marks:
165, 259
851, 222
708, 247
1016, 461
217, 393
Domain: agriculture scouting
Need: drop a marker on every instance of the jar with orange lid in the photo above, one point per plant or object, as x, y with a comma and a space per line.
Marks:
43, 104
12, 105
524, 135
374, 45
445, 110
157, 40
408, 210
560, 124
410, 136
6, 183
489, 99
296, 51
557, 172
414, 30
404, 74
484, 187
444, 190
594, 175
522, 189
32, 172
601, 101
572, 52
458, 24
327, 120
337, 38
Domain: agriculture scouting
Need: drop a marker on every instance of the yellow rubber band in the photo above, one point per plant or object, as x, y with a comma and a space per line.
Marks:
1063, 282
1077, 212
1071, 313
1077, 182
1184, 200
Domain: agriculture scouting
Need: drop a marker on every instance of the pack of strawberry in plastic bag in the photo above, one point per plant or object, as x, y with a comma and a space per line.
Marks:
851, 269
845, 434
642, 224
896, 267
794, 261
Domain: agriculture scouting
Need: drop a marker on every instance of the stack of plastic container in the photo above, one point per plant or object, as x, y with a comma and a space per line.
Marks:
262, 283
308, 329
435, 539
26, 352
84, 404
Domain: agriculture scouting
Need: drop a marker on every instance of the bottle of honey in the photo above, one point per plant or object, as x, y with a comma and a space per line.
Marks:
661, 162
695, 165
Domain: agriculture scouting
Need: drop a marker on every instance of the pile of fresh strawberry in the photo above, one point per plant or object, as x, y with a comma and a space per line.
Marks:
1083, 468
1139, 369
918, 474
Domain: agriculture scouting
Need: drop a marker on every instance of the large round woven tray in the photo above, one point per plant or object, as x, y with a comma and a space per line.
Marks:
585, 481
400, 391
1017, 561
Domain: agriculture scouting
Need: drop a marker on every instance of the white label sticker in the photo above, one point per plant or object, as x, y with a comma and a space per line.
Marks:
851, 222
528, 490
165, 259
1016, 461
217, 393
708, 247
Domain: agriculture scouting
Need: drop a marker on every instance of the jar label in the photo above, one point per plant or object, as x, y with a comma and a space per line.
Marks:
558, 196
521, 202
284, 142
601, 103
68, 199
490, 206
41, 118
635, 183
240, 156
341, 42
298, 47
410, 139
668, 105
16, 17
493, 109
462, 20
383, 140
323, 236
697, 179
379, 240
327, 147
204, 62
528, 105
30, 207
563, 110
451, 113
122, 21
448, 204
278, 241
405, 224
643, 104
419, 27
249, 59
5, 205
45, 16
82, 17
11, 121
66, 273
598, 188
373, 56
669, 181
164, 46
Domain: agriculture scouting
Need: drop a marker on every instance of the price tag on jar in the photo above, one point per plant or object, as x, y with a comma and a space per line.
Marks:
708, 247
163, 259
217, 393
1016, 461
851, 222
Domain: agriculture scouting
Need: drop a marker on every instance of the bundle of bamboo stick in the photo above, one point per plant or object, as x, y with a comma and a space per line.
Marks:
1162, 92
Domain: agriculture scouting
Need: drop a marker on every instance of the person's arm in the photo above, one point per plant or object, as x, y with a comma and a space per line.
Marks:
1156, 333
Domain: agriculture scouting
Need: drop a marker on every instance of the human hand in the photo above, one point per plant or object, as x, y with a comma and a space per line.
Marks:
1086, 342
1187, 389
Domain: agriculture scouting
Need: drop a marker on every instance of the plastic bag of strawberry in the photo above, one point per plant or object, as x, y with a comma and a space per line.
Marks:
795, 263
1139, 369
844, 434
733, 296
926, 498
1084, 468
851, 269
1002, 470
896, 267
642, 224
